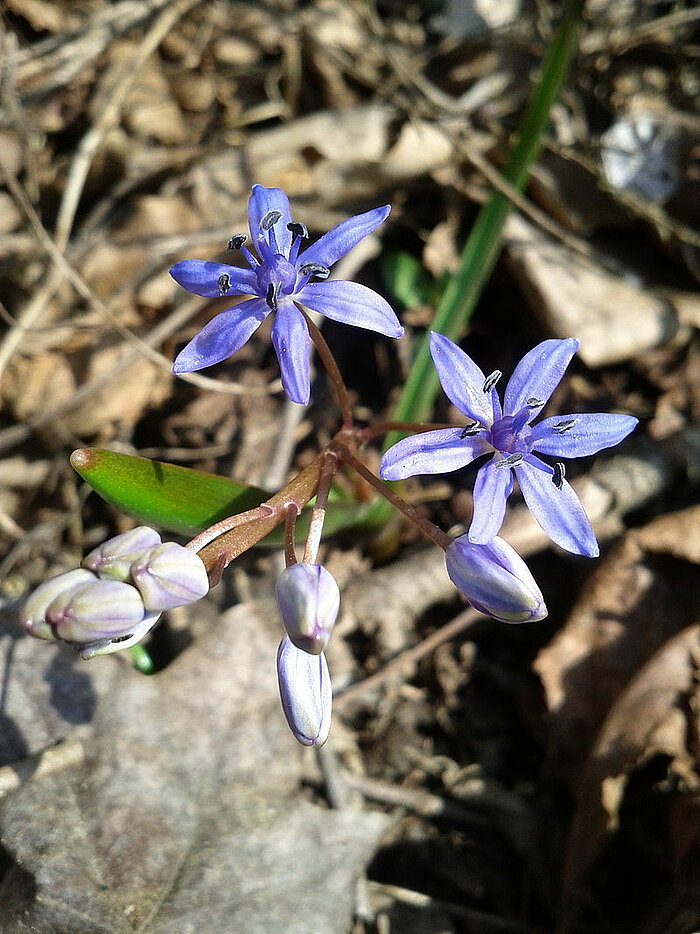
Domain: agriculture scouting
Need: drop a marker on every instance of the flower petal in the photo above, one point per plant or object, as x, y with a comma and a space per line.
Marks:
290, 337
558, 512
222, 336
203, 278
351, 303
462, 380
261, 202
329, 248
538, 374
589, 433
492, 487
431, 452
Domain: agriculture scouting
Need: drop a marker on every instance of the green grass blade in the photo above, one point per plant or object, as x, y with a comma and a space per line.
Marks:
484, 243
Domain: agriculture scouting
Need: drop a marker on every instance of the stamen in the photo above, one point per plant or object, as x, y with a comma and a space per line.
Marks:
314, 269
533, 403
236, 242
224, 283
117, 639
511, 461
491, 381
558, 475
566, 425
270, 219
473, 428
271, 297
298, 229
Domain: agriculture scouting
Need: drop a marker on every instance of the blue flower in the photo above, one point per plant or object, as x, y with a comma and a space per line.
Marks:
279, 278
507, 434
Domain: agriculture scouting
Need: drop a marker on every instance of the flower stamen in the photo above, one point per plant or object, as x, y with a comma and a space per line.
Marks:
558, 475
491, 381
224, 283
566, 425
512, 460
473, 428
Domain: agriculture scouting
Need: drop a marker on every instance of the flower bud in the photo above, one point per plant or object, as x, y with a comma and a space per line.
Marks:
114, 558
169, 575
495, 580
305, 692
32, 616
308, 599
96, 611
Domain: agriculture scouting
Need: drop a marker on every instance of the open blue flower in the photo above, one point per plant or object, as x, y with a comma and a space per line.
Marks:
279, 278
506, 433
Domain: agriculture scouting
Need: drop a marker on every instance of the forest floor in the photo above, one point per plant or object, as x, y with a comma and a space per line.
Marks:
479, 777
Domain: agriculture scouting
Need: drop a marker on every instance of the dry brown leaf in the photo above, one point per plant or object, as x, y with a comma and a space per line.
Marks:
642, 595
652, 717
182, 814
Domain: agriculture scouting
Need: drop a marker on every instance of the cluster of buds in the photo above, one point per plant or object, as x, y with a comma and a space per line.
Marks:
308, 600
117, 595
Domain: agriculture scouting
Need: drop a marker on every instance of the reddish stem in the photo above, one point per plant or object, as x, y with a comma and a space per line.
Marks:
331, 368
425, 525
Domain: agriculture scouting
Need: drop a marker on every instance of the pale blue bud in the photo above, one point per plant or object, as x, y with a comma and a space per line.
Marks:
495, 580
169, 575
99, 610
32, 616
305, 692
114, 558
308, 599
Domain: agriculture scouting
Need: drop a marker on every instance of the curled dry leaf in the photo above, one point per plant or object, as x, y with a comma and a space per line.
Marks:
642, 595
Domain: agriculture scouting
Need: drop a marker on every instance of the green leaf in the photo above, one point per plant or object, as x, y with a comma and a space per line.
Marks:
406, 279
182, 500
177, 499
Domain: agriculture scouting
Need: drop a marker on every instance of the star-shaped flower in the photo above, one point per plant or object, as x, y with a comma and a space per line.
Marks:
280, 278
507, 435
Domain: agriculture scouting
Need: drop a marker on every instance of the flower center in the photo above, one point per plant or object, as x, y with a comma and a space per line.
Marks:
511, 434
276, 276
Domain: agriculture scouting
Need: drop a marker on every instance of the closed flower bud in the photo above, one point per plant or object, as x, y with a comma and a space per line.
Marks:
308, 599
32, 616
305, 692
495, 580
96, 611
169, 575
114, 558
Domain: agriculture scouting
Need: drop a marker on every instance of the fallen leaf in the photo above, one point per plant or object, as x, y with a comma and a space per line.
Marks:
185, 814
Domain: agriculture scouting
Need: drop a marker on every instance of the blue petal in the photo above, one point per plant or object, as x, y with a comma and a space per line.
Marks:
341, 239
261, 202
461, 379
492, 488
558, 512
538, 374
431, 452
290, 337
351, 303
223, 336
591, 433
203, 278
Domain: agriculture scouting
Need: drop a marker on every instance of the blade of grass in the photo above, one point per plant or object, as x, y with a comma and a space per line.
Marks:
485, 240
484, 243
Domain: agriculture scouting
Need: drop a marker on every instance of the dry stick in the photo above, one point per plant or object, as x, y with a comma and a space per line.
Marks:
80, 167
409, 657
83, 289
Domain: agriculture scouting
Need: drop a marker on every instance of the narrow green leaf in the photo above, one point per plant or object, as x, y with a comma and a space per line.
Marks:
177, 499
457, 302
